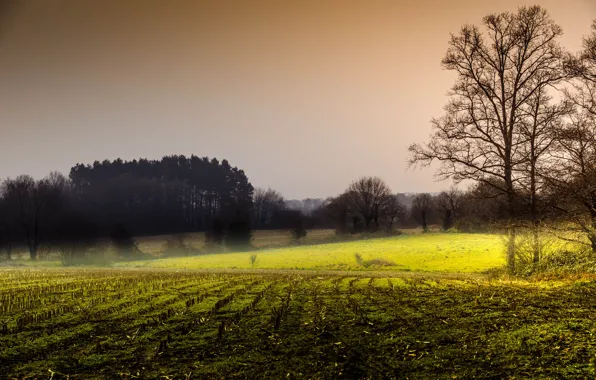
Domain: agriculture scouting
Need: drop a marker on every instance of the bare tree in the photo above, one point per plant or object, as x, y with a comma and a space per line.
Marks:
584, 64
421, 209
33, 206
369, 196
498, 72
448, 204
6, 229
393, 210
339, 211
572, 182
571, 178
266, 203
539, 122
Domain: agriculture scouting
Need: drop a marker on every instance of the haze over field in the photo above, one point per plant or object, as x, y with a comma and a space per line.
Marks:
304, 96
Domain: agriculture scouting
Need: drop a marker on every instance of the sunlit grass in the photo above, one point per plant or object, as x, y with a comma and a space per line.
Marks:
431, 252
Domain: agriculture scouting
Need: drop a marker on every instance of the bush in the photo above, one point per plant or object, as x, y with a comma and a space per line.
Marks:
123, 242
359, 259
379, 262
375, 262
554, 255
239, 234
299, 232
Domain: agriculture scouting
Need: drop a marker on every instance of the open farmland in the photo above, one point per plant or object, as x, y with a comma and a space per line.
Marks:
90, 323
441, 252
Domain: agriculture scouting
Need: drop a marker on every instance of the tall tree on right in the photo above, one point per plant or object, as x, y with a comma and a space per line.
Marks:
583, 65
571, 180
499, 69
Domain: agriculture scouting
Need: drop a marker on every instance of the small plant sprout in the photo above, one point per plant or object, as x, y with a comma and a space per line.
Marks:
253, 259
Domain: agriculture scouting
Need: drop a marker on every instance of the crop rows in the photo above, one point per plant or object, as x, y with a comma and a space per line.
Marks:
147, 324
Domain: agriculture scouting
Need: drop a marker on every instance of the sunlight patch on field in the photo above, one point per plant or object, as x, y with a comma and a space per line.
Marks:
432, 252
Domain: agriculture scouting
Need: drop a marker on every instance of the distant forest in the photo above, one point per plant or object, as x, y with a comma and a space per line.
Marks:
174, 194
119, 200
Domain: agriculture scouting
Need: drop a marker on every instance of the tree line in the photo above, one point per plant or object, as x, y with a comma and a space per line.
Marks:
118, 199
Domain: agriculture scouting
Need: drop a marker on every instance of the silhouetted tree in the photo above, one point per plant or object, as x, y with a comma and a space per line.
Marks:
393, 210
123, 241
421, 209
539, 121
498, 72
369, 196
584, 64
32, 207
297, 223
339, 211
266, 204
572, 181
447, 204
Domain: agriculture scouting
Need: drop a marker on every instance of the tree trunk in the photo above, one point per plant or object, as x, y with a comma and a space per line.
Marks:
32, 252
424, 224
511, 217
534, 212
592, 234
447, 221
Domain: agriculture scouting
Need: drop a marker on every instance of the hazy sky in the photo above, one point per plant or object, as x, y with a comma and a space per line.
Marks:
305, 96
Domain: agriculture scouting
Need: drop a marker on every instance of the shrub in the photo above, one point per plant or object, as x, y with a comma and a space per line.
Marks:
374, 262
299, 232
253, 259
554, 256
239, 234
359, 259
123, 241
379, 262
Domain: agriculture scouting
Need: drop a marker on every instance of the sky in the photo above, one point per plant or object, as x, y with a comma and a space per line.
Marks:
305, 96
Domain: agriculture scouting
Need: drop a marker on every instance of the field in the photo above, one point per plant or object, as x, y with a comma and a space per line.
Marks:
427, 253
90, 323
413, 307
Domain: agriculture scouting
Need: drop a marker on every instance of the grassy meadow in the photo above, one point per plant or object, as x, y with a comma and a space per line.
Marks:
440, 252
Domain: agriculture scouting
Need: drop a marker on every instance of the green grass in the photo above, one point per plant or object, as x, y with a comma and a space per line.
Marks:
440, 252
